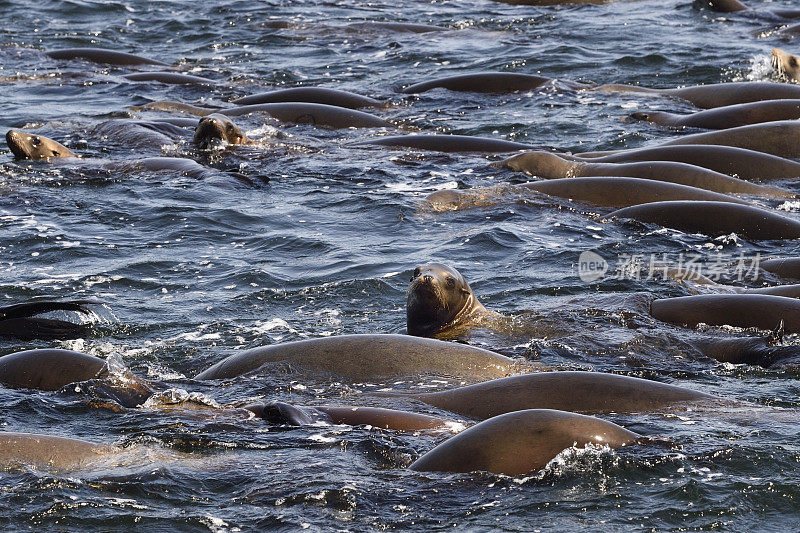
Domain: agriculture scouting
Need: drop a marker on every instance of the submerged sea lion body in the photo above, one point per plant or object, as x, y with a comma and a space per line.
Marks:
484, 82
718, 94
101, 55
439, 299
314, 114
367, 357
601, 191
216, 129
739, 162
29, 146
738, 310
786, 267
714, 218
170, 78
579, 392
315, 95
548, 165
47, 451
731, 116
521, 442
449, 143
49, 370
283, 413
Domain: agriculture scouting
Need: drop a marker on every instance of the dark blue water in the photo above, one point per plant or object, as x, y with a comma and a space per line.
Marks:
192, 270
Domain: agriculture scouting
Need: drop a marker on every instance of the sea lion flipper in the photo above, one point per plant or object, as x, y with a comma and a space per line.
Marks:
37, 308
776, 337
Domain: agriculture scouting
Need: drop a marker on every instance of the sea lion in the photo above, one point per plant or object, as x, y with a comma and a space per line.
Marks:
600, 191
739, 310
29, 146
521, 442
314, 114
766, 352
20, 320
714, 218
449, 143
548, 165
739, 162
785, 267
369, 357
786, 64
731, 116
101, 55
48, 451
483, 82
439, 300
169, 77
734, 6
215, 129
716, 94
315, 95
284, 413
49, 370
579, 392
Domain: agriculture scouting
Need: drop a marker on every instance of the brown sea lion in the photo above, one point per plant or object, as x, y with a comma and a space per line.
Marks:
548, 165
169, 77
48, 451
49, 369
369, 357
215, 130
521, 442
714, 218
739, 310
734, 6
786, 64
315, 95
483, 82
284, 413
449, 143
314, 114
439, 300
717, 94
101, 55
739, 162
601, 191
20, 320
725, 117
785, 267
579, 392
29, 146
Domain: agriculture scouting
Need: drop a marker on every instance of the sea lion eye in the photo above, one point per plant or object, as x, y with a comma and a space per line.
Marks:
229, 128
55, 153
793, 61
35, 140
451, 282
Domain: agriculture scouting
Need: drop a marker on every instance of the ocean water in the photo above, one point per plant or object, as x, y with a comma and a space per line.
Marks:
323, 242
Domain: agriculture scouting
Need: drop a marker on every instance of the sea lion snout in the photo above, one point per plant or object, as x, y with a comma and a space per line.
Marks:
786, 64
214, 130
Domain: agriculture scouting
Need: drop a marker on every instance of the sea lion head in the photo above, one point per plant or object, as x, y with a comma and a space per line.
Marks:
216, 128
786, 64
29, 146
438, 298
